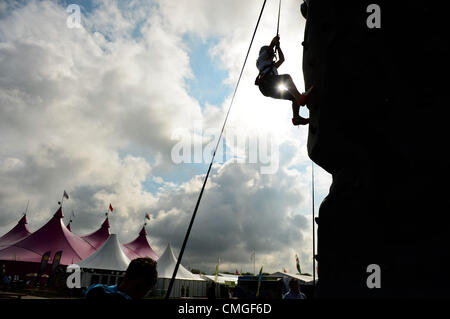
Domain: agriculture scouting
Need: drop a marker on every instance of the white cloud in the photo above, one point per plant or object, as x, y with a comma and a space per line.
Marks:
92, 111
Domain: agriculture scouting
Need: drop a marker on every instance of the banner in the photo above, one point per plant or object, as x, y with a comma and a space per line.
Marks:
43, 265
56, 260
55, 264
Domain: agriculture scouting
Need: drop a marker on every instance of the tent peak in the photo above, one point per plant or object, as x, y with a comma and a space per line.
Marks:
23, 220
143, 232
59, 213
106, 223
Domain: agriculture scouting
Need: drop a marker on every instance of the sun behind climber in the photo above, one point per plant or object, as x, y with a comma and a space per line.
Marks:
279, 86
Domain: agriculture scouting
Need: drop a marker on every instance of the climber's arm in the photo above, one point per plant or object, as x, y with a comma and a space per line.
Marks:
280, 57
274, 43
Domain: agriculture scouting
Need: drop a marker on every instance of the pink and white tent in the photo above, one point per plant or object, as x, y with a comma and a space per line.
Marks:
139, 247
20, 231
98, 238
53, 236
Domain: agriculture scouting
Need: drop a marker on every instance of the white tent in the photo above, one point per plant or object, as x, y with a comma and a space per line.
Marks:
303, 279
186, 283
222, 279
106, 265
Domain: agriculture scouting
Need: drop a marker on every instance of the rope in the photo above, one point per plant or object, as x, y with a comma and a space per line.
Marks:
278, 23
180, 256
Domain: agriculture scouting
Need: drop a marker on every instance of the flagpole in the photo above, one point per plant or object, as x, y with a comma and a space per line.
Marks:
26, 209
254, 261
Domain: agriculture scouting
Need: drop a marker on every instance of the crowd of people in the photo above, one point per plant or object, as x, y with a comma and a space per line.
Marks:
140, 277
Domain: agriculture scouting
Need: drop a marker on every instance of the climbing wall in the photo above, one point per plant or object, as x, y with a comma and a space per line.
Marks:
380, 125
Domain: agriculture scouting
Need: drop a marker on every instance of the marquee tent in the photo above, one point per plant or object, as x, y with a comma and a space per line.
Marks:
53, 236
222, 279
303, 279
224, 283
98, 237
139, 247
108, 257
186, 283
19, 232
106, 265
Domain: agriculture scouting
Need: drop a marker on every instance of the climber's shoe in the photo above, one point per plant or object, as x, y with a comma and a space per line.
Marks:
305, 95
298, 120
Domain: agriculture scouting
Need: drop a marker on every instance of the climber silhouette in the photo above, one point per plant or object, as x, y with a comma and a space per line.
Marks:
277, 86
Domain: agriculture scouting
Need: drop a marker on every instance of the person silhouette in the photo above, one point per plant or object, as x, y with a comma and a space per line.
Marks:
279, 86
140, 277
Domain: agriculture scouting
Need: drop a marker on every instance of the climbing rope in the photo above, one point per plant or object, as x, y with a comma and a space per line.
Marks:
180, 256
278, 23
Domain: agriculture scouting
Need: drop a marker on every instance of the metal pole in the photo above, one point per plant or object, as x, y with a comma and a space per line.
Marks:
26, 210
254, 261
313, 227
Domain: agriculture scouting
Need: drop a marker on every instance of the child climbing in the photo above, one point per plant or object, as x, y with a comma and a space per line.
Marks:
277, 86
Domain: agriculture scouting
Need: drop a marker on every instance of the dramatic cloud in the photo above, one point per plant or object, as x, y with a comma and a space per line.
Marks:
93, 110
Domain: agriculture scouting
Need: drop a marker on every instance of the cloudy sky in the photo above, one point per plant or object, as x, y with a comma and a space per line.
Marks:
103, 111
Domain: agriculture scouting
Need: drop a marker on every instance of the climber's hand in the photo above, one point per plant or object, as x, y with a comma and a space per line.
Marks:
276, 41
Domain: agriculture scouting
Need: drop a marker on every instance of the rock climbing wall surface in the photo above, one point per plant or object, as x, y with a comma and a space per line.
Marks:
380, 126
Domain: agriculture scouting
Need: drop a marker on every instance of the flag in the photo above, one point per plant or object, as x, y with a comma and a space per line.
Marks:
65, 195
298, 264
259, 281
147, 216
111, 208
284, 270
237, 272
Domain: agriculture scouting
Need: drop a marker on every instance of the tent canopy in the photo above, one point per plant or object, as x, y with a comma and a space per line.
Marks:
98, 238
221, 280
303, 278
166, 266
139, 247
109, 257
19, 232
53, 236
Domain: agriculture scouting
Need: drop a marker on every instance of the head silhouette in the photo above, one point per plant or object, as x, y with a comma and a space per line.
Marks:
140, 277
